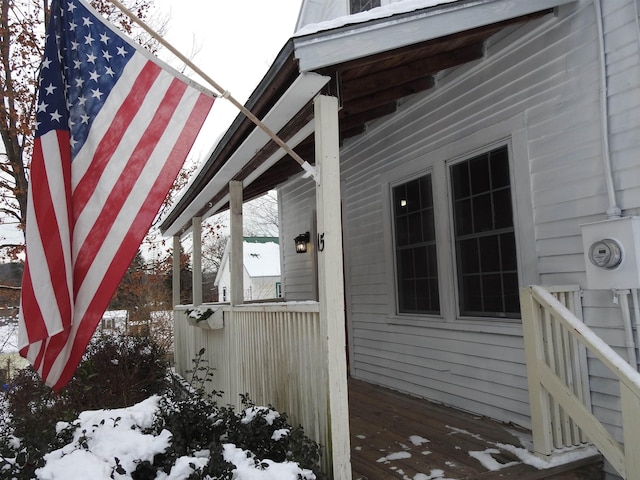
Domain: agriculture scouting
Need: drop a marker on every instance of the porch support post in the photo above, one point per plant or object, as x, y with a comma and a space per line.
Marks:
196, 225
331, 279
236, 265
175, 282
538, 396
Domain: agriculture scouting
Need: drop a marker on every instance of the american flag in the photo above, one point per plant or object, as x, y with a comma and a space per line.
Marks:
113, 127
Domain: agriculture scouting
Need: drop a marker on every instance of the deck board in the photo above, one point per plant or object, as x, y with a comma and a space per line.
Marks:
384, 422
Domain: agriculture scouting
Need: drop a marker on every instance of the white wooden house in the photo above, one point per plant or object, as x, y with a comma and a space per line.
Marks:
261, 270
470, 157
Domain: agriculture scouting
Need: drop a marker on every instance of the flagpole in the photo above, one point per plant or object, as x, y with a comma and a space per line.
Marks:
312, 171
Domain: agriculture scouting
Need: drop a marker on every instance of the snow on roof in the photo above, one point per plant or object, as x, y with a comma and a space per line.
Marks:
261, 256
373, 14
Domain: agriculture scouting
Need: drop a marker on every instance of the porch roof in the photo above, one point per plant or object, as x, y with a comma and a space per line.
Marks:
369, 63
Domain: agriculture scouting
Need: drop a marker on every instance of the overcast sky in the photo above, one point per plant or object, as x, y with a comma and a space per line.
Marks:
237, 43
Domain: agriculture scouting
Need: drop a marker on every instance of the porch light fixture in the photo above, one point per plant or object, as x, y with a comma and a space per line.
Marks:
301, 242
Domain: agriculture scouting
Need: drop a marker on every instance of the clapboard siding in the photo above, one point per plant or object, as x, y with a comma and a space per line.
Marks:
538, 89
552, 80
296, 207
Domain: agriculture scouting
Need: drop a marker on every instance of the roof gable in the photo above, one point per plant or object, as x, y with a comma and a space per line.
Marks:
261, 256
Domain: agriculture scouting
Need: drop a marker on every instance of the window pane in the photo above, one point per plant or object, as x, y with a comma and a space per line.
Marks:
413, 196
485, 237
471, 295
463, 217
417, 267
479, 175
490, 253
402, 231
426, 194
460, 180
407, 264
358, 6
508, 249
469, 256
428, 224
423, 303
415, 228
502, 206
511, 294
492, 293
399, 200
434, 294
500, 168
482, 213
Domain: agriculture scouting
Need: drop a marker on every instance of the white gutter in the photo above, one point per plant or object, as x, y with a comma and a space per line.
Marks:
299, 94
292, 142
331, 47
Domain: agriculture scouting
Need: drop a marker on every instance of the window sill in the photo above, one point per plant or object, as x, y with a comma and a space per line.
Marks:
499, 326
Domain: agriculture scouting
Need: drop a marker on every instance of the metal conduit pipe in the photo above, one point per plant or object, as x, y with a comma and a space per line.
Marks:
614, 210
626, 320
636, 313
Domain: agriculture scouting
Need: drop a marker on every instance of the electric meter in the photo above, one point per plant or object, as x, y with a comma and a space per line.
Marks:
612, 253
606, 253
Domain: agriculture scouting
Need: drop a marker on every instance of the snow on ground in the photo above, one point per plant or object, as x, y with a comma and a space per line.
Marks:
485, 457
101, 436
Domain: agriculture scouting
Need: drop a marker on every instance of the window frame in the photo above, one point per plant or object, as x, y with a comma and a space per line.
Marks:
450, 164
510, 132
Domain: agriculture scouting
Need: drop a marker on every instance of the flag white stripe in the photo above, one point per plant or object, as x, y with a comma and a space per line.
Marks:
103, 121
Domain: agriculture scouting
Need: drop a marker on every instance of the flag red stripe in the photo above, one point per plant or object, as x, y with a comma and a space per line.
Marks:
114, 135
48, 225
31, 309
126, 183
131, 241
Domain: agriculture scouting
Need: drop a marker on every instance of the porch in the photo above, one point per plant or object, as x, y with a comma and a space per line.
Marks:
399, 436
278, 353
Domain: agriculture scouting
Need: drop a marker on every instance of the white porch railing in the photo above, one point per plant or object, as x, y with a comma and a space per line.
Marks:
561, 416
271, 351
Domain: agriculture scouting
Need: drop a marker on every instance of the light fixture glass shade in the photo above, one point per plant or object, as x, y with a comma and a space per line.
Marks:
301, 242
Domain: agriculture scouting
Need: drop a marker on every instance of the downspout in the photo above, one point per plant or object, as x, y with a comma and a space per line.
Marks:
614, 210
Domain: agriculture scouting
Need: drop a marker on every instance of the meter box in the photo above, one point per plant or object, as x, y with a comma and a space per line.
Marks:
612, 253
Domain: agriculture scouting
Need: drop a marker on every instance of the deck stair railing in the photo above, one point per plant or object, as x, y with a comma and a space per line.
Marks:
556, 341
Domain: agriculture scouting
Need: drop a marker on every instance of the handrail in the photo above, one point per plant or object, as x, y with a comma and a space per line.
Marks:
593, 342
539, 310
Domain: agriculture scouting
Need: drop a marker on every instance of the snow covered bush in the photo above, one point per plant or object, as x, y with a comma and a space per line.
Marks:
116, 371
168, 435
263, 435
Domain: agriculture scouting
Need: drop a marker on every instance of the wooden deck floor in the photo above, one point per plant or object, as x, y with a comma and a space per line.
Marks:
399, 436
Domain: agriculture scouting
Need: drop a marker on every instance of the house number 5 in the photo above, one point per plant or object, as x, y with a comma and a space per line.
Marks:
320, 242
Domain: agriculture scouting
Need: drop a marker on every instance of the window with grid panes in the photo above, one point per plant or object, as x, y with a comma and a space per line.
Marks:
358, 6
415, 247
484, 236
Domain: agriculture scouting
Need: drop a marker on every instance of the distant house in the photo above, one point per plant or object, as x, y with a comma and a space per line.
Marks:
261, 260
474, 210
